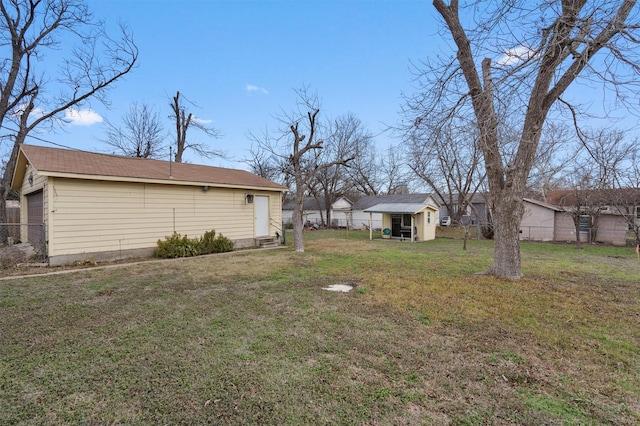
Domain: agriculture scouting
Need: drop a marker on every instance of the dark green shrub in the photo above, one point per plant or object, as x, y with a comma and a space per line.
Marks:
183, 246
177, 246
209, 243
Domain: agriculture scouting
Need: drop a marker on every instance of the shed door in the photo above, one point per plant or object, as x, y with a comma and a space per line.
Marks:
34, 219
261, 210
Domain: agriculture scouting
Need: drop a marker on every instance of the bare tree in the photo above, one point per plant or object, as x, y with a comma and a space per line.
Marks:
29, 97
140, 135
184, 121
297, 149
374, 171
395, 171
627, 197
600, 178
543, 47
583, 202
446, 155
558, 150
612, 158
609, 153
364, 173
264, 164
346, 136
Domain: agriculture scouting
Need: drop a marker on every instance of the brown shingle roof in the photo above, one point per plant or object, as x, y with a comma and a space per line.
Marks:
571, 197
54, 160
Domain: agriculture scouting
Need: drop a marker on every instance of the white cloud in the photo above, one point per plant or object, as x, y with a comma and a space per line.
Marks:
515, 56
36, 112
201, 120
252, 88
82, 117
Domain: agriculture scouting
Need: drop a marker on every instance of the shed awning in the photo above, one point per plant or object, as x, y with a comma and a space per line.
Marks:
399, 208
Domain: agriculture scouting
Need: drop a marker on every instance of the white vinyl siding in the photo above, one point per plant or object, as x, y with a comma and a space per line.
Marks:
94, 216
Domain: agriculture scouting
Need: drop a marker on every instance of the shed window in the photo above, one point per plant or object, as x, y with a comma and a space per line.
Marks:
637, 212
428, 217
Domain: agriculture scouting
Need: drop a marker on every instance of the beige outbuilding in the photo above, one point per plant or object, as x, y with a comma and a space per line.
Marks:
408, 221
105, 207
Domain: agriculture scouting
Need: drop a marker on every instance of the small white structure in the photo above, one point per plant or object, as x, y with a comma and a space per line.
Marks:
407, 221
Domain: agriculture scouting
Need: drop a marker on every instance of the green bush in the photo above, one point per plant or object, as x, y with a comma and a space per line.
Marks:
209, 243
182, 246
177, 246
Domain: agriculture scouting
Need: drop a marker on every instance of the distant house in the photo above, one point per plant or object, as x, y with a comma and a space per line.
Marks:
315, 212
474, 212
605, 215
610, 228
538, 221
108, 207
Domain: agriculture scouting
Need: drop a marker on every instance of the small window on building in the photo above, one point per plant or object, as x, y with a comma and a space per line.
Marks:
637, 212
429, 217
406, 220
585, 222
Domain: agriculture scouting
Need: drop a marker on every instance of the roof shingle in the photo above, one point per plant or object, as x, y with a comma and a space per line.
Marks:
64, 161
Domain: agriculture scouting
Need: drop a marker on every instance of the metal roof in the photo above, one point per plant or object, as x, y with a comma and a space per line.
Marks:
369, 201
399, 208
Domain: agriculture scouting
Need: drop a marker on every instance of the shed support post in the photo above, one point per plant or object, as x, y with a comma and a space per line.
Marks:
413, 225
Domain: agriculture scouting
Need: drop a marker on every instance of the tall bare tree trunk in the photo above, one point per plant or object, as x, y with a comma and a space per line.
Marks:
562, 54
3, 212
5, 182
578, 237
507, 215
298, 225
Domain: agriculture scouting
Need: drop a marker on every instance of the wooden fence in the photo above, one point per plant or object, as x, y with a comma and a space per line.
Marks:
13, 231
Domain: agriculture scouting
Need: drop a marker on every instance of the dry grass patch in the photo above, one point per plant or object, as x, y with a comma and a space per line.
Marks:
251, 338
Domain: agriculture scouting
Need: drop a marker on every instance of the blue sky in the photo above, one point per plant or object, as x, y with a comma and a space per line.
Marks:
239, 61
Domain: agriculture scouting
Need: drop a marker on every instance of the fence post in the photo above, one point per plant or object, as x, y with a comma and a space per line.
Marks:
44, 241
284, 234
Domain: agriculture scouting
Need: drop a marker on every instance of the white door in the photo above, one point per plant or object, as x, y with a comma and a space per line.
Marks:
261, 211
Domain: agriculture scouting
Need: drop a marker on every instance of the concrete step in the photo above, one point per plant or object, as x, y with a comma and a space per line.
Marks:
270, 244
265, 242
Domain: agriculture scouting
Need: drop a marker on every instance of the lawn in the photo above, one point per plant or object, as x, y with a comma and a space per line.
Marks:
251, 337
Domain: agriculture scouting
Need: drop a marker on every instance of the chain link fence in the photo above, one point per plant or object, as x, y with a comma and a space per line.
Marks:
22, 242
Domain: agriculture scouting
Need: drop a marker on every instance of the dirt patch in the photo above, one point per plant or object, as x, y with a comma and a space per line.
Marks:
16, 254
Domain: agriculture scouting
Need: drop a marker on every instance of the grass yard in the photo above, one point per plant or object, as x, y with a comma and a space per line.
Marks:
252, 338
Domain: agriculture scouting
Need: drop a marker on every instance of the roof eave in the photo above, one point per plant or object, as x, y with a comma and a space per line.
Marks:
160, 181
19, 171
392, 211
